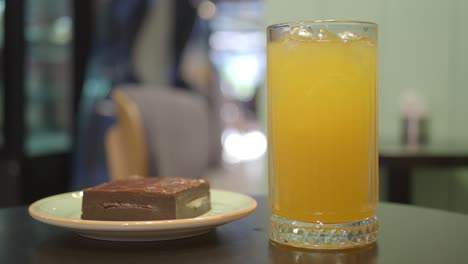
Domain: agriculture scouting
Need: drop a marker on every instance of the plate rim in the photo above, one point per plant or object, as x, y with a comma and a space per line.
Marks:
79, 224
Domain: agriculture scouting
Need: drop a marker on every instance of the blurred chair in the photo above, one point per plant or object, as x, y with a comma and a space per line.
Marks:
161, 132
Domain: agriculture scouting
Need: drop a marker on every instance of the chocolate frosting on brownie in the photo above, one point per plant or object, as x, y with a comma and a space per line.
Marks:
157, 198
163, 185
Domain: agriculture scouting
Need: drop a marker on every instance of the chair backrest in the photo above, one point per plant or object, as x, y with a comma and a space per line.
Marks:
159, 132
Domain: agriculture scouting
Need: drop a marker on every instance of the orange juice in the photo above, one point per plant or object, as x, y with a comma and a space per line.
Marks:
322, 104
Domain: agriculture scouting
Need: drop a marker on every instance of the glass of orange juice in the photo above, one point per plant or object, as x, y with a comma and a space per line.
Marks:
322, 133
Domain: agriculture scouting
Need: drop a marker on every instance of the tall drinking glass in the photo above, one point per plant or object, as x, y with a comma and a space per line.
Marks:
322, 121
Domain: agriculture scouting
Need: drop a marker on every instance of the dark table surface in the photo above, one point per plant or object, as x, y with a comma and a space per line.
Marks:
408, 234
432, 154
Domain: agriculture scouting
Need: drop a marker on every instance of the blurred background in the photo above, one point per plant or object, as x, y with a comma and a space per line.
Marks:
62, 60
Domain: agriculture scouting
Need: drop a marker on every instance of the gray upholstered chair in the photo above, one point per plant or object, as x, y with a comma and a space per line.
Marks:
162, 132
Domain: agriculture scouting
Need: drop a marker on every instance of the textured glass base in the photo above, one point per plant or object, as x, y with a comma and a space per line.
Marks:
323, 236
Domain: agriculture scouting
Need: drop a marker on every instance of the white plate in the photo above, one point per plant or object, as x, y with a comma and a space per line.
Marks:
64, 210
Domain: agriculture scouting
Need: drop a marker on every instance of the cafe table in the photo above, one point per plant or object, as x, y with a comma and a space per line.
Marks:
401, 160
408, 234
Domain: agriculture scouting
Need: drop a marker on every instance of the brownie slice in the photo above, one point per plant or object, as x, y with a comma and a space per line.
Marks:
145, 199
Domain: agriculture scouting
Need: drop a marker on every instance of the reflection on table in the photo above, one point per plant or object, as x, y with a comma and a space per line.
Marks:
283, 255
